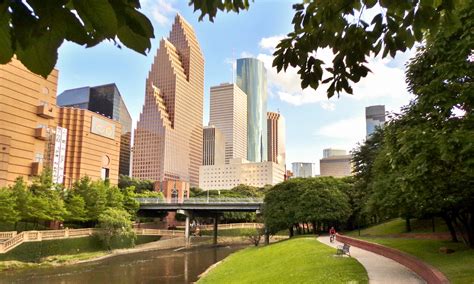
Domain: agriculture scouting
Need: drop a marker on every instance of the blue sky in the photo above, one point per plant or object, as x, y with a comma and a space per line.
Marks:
312, 121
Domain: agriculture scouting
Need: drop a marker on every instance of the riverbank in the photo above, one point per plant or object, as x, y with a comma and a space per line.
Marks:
84, 257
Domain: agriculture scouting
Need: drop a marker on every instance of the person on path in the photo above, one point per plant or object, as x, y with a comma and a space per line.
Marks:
332, 234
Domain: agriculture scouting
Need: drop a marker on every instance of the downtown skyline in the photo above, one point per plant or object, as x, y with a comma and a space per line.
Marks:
313, 122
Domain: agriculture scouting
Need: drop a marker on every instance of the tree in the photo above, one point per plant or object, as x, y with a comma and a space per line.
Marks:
114, 197
76, 208
130, 204
342, 27
140, 185
115, 224
94, 194
255, 235
8, 212
22, 195
35, 29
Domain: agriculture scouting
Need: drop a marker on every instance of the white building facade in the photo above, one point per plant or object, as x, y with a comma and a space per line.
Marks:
303, 169
228, 112
240, 171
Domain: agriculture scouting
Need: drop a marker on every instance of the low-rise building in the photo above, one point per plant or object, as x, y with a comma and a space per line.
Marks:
240, 171
92, 147
336, 166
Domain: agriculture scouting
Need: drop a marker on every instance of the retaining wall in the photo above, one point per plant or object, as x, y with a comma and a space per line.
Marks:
424, 270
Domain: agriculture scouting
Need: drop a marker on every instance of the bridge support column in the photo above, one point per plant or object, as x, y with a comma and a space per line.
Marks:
216, 220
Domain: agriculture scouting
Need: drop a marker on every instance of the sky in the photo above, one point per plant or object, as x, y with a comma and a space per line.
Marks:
313, 122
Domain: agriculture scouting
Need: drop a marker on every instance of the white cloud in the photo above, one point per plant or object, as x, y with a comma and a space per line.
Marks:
386, 80
162, 11
270, 43
347, 132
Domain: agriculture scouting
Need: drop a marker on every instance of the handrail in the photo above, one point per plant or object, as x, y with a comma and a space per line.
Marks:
37, 236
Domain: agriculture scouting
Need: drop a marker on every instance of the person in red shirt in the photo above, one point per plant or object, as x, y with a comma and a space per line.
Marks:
332, 234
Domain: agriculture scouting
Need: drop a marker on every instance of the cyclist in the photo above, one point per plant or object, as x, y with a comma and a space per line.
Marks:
332, 234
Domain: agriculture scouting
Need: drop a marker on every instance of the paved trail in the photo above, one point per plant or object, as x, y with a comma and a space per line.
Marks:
379, 268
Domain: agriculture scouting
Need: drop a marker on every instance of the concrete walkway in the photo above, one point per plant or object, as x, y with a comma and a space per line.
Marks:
379, 268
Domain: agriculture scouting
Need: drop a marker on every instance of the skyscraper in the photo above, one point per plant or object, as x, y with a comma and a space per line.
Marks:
228, 113
213, 148
302, 169
107, 101
374, 117
276, 137
168, 137
252, 79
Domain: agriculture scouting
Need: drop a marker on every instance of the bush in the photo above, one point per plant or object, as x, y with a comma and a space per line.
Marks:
116, 229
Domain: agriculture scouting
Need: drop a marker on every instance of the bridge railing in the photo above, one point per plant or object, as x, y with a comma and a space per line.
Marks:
226, 200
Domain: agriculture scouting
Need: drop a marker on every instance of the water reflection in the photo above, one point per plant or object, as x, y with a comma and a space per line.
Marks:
146, 267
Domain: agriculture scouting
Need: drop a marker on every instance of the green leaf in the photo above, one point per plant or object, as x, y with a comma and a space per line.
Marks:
6, 50
41, 55
133, 40
100, 14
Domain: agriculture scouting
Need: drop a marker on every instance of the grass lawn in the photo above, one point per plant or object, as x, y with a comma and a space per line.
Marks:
299, 260
457, 266
397, 226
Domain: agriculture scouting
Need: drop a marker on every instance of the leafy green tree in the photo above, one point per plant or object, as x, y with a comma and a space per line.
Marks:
35, 29
140, 185
8, 212
94, 194
22, 195
76, 208
280, 211
114, 197
351, 32
115, 224
129, 202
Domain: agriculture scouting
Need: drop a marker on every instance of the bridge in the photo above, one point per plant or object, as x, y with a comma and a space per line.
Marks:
207, 207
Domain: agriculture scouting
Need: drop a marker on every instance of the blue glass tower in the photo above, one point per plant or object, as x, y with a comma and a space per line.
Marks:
252, 79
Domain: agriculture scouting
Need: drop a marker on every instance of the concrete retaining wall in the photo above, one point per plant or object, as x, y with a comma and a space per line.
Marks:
424, 270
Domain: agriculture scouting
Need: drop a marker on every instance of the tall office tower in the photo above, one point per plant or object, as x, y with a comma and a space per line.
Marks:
302, 169
329, 152
229, 114
213, 146
252, 79
276, 138
374, 117
168, 137
107, 101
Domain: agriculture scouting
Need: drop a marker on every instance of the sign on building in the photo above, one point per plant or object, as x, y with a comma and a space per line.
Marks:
103, 127
59, 154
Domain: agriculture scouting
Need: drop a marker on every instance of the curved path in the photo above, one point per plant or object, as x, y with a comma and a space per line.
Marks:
379, 268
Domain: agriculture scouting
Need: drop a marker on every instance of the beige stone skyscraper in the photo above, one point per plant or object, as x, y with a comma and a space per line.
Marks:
276, 138
229, 114
168, 137
213, 150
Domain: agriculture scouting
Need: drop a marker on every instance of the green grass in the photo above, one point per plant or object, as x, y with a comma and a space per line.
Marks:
397, 226
299, 260
457, 266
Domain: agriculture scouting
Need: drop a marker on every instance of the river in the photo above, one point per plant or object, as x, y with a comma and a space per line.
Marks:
163, 266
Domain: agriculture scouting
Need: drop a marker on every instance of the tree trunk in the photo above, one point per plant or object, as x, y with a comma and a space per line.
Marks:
449, 223
433, 224
315, 227
407, 224
291, 232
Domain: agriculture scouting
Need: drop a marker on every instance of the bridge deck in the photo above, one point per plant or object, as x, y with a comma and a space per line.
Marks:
201, 204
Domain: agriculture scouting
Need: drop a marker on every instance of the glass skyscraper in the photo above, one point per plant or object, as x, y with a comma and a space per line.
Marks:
374, 117
252, 79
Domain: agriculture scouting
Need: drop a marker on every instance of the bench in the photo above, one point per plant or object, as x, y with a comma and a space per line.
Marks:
344, 249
